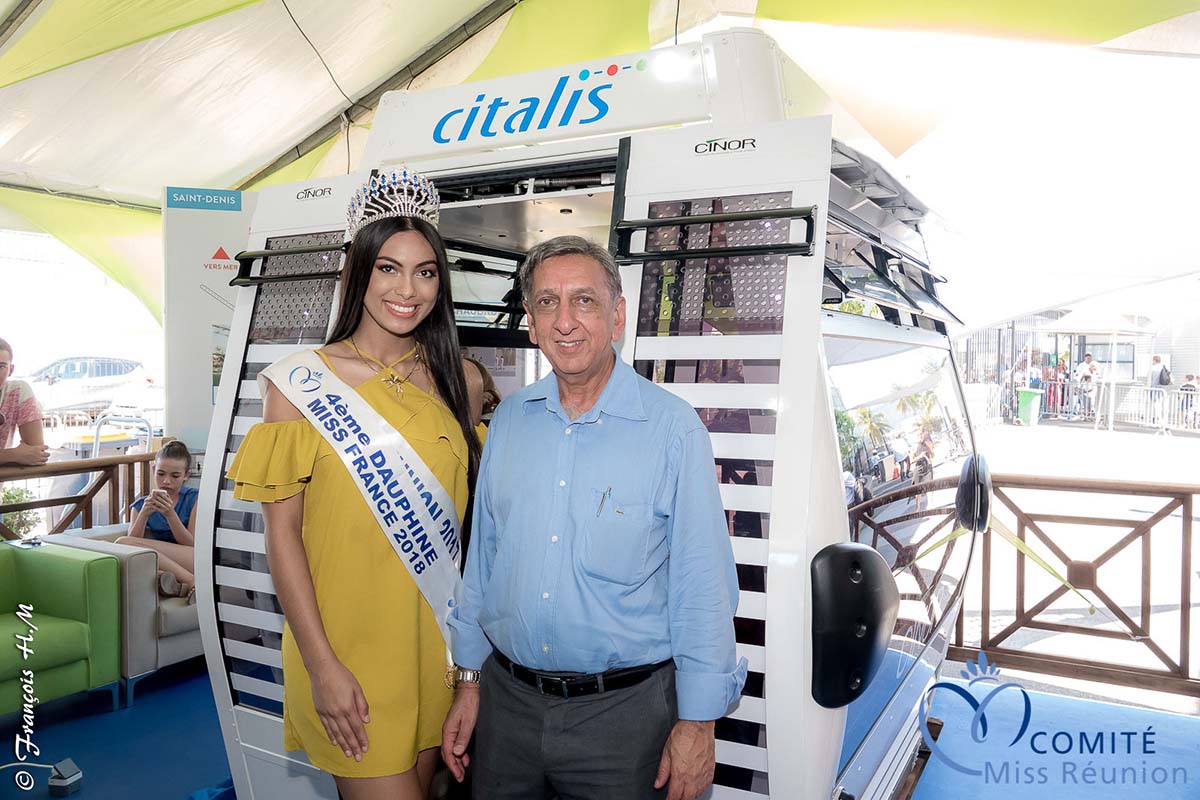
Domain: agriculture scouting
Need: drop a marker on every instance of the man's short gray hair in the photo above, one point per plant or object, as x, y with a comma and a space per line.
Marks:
569, 246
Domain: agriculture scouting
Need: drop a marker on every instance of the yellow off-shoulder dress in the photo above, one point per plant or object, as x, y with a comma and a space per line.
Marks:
375, 618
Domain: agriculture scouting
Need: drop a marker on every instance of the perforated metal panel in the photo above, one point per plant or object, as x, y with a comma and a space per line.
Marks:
736, 398
286, 317
296, 312
719, 296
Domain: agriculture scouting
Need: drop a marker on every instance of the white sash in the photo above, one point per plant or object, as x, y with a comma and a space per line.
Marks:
413, 509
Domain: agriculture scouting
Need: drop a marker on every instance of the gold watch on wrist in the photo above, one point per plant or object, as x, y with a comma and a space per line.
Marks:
456, 675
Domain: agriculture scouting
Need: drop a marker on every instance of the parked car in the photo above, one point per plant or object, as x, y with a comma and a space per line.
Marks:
86, 384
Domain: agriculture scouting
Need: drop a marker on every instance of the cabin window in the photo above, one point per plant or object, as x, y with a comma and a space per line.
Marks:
902, 437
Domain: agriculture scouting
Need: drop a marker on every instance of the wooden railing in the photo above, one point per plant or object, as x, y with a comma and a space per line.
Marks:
124, 477
1084, 574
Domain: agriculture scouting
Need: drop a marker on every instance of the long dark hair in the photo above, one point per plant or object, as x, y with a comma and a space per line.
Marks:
437, 334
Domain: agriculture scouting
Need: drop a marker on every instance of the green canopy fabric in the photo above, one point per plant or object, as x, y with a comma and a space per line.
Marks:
545, 33
1088, 22
299, 170
37, 145
69, 31
125, 243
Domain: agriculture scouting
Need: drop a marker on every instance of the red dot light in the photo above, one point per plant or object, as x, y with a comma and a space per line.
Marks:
612, 69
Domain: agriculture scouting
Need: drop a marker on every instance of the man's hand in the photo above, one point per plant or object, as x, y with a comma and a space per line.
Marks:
28, 455
457, 730
688, 760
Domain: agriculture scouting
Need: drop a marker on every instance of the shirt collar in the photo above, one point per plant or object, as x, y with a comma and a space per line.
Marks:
621, 396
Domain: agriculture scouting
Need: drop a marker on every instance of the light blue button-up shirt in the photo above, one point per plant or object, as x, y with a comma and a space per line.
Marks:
601, 543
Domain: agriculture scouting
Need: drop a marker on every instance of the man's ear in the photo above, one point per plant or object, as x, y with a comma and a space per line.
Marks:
532, 330
619, 320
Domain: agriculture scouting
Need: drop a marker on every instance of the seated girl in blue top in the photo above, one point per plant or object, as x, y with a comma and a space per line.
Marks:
165, 521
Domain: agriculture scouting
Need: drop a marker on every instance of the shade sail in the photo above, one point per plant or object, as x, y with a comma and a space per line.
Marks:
125, 243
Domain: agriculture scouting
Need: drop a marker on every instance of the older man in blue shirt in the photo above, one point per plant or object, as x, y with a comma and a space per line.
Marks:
600, 584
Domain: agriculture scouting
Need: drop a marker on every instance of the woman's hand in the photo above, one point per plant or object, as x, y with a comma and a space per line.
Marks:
342, 707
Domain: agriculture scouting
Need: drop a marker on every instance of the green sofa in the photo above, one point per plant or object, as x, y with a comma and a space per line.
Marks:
75, 595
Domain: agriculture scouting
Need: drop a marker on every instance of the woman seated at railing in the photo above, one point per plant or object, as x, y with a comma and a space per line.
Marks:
165, 521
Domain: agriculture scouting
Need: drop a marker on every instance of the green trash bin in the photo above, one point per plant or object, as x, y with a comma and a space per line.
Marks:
1029, 405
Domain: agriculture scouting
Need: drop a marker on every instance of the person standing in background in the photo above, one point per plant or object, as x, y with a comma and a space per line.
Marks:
19, 413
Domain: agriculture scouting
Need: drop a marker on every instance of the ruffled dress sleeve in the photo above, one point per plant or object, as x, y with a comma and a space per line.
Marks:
275, 461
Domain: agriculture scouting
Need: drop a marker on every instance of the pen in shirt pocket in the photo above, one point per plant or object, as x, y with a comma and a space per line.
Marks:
607, 494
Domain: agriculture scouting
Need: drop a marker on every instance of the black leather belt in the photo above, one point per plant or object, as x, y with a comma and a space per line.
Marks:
578, 685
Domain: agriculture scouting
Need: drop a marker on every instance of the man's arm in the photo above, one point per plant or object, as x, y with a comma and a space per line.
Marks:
467, 641
32, 450
31, 432
703, 588
702, 597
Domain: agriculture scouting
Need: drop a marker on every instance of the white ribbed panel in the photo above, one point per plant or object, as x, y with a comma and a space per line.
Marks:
750, 551
751, 605
708, 347
259, 688
270, 353
244, 579
751, 446
727, 395
750, 709
755, 655
267, 656
248, 390
742, 755
230, 503
737, 497
726, 793
242, 425
254, 617
245, 541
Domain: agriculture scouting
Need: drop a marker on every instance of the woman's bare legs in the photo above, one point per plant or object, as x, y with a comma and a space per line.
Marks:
181, 554
411, 785
165, 562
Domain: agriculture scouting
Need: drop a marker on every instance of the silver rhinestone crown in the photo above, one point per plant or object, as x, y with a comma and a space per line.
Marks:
398, 192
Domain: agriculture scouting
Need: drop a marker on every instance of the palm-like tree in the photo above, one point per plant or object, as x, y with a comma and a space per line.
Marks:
909, 404
873, 425
927, 406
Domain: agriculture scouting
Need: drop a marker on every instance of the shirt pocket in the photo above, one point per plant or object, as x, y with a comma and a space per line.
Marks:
618, 539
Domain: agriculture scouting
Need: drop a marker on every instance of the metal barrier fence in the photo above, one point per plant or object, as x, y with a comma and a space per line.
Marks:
1070, 399
1161, 409
1157, 408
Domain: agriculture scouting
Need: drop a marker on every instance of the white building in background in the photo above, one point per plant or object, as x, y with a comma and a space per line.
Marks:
1159, 318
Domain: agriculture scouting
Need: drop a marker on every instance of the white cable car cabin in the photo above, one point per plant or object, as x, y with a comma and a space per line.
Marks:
839, 435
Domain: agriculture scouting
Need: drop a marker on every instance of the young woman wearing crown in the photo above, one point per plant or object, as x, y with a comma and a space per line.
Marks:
363, 465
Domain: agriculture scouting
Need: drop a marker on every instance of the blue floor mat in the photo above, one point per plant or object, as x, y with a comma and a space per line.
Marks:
166, 746
1170, 772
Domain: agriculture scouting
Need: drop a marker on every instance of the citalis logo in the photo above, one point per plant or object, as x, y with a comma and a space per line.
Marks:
564, 104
